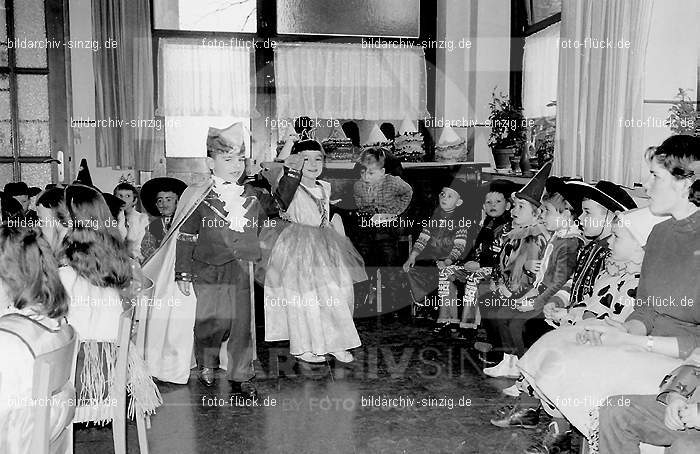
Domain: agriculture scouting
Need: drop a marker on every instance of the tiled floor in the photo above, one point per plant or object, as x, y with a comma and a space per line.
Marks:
441, 403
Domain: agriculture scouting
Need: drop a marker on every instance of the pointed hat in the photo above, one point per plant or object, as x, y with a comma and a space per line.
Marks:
83, 176
227, 140
533, 190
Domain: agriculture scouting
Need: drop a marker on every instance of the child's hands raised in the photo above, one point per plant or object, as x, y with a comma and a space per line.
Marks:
295, 161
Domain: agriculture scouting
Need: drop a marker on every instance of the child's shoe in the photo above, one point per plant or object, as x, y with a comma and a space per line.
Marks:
343, 356
309, 357
441, 328
506, 368
512, 391
512, 416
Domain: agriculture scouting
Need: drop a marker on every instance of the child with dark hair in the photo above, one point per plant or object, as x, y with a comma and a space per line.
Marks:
10, 209
380, 198
98, 274
22, 194
33, 304
695, 193
310, 267
134, 221
440, 246
54, 218
483, 256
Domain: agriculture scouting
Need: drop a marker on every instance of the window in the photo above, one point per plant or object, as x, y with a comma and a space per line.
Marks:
394, 18
261, 26
539, 10
540, 71
32, 117
206, 15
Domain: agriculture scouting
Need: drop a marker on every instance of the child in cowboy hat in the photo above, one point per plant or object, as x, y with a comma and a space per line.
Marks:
159, 197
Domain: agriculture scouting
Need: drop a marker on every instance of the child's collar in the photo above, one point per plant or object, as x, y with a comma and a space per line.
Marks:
218, 181
567, 232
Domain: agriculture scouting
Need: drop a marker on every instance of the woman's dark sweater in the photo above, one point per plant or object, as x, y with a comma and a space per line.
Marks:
668, 297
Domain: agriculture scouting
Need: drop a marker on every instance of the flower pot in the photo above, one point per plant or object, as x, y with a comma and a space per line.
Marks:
501, 157
515, 164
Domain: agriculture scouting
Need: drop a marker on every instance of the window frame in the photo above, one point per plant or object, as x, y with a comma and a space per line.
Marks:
56, 26
266, 17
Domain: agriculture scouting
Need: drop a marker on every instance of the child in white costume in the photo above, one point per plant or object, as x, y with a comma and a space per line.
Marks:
309, 267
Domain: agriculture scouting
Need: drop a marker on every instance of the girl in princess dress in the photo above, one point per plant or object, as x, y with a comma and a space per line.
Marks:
310, 266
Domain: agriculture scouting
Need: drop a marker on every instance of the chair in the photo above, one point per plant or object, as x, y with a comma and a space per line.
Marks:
119, 390
380, 307
54, 372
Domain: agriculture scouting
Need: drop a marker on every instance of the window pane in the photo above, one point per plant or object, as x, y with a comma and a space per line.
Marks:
206, 15
33, 97
30, 33
542, 9
34, 138
5, 117
391, 18
33, 101
38, 175
5, 174
3, 34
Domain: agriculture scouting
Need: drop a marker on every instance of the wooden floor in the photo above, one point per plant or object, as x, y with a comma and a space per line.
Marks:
407, 392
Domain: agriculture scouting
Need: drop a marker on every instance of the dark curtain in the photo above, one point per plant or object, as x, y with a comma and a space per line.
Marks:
124, 83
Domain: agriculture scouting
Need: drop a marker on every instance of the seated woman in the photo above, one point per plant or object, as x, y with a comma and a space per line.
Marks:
36, 304
566, 365
98, 276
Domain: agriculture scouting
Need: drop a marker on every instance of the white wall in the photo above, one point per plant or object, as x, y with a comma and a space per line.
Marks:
83, 98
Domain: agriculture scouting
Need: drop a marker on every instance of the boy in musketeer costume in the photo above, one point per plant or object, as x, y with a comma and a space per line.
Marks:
212, 239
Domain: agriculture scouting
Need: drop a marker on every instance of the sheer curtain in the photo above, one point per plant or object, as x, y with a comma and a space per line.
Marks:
124, 83
197, 79
540, 71
349, 81
600, 88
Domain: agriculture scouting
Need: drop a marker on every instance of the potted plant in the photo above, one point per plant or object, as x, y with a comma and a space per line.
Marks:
683, 118
507, 129
545, 130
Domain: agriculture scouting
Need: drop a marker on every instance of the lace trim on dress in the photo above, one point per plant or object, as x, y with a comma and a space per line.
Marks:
593, 432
